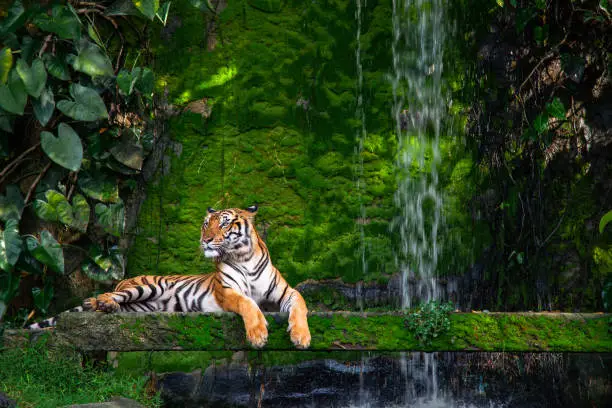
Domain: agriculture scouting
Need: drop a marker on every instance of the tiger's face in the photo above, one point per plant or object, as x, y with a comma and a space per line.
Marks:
227, 233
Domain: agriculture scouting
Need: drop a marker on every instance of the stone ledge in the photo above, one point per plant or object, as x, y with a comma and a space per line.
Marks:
330, 331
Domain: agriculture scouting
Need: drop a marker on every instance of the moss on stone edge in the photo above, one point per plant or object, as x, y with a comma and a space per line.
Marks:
341, 331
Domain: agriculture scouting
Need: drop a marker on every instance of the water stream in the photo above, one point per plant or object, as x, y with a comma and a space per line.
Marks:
418, 106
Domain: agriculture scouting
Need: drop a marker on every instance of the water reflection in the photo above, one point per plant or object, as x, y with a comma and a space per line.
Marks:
373, 380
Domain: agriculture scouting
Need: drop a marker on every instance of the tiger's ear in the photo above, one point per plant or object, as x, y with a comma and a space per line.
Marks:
211, 210
252, 209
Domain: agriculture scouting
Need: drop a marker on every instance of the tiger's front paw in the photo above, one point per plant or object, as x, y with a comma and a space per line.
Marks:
300, 336
257, 335
90, 304
106, 304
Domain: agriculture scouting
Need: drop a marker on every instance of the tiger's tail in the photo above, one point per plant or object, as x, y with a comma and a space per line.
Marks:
52, 321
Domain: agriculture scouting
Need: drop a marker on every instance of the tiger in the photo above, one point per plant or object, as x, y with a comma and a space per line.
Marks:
244, 280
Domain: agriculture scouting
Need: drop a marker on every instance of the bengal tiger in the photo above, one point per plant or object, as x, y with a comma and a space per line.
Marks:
244, 279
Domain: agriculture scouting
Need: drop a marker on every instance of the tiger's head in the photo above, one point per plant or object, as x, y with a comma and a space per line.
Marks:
228, 233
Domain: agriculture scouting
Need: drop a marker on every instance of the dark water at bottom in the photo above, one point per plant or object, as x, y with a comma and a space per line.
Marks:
428, 380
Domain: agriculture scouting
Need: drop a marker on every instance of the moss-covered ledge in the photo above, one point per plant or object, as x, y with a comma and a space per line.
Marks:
332, 331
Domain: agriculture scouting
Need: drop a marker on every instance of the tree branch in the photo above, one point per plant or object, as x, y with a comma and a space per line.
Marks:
35, 183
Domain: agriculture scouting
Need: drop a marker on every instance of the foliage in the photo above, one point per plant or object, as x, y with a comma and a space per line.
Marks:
429, 321
37, 377
63, 92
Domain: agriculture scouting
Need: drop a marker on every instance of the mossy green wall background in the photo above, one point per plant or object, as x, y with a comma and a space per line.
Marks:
281, 134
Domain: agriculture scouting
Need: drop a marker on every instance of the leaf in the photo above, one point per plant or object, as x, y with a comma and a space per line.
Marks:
42, 297
62, 22
10, 245
80, 209
87, 105
556, 109
44, 106
11, 204
6, 63
541, 4
104, 266
162, 13
145, 80
604, 221
111, 218
129, 154
540, 123
126, 81
92, 61
48, 251
93, 33
34, 78
66, 149
56, 65
29, 264
13, 96
147, 7
98, 187
14, 19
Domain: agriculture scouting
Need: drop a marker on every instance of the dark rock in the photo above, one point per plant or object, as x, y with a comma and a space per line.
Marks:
6, 402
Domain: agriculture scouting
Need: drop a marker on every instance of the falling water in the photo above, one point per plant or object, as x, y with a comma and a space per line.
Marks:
361, 138
418, 105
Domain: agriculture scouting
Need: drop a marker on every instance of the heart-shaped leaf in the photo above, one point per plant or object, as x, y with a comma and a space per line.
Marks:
145, 80
80, 210
48, 251
42, 297
57, 208
6, 63
44, 106
540, 123
34, 78
92, 61
87, 104
13, 96
11, 204
62, 22
66, 149
56, 65
99, 187
111, 217
10, 245
147, 7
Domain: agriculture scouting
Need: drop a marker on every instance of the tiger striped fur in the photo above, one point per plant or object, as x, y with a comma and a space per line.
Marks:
245, 278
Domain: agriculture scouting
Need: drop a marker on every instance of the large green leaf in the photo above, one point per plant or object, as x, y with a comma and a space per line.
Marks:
556, 109
11, 204
56, 65
66, 149
126, 81
14, 19
6, 63
44, 106
604, 221
87, 104
80, 210
62, 22
99, 187
540, 123
42, 297
57, 208
104, 266
34, 78
111, 217
48, 251
13, 96
92, 60
145, 80
147, 7
10, 245
129, 154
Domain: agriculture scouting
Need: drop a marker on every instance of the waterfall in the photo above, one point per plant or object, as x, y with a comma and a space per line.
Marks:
418, 105
361, 137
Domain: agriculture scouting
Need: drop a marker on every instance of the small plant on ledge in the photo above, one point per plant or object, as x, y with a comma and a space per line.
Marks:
429, 321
